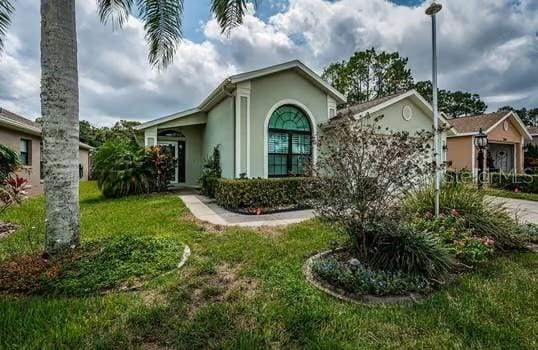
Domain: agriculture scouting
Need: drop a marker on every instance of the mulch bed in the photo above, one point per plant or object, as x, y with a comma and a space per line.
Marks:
24, 273
7, 228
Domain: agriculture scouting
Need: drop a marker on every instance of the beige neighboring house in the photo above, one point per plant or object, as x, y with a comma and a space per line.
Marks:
506, 133
24, 136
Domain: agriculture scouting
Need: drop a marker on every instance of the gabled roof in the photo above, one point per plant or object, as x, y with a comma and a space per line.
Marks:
471, 125
359, 110
229, 84
533, 130
18, 122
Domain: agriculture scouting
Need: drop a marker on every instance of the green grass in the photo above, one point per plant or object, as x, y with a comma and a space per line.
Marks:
244, 289
510, 194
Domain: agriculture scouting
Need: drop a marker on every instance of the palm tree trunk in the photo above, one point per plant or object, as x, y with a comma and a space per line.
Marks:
59, 108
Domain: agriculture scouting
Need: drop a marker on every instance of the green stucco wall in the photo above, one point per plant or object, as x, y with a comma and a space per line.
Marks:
219, 130
265, 93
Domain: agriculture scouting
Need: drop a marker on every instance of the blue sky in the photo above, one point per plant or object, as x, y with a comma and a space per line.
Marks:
489, 47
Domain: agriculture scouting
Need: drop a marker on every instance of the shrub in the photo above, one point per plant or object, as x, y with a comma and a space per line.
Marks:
252, 194
125, 168
211, 173
363, 170
508, 181
483, 216
358, 279
412, 253
9, 162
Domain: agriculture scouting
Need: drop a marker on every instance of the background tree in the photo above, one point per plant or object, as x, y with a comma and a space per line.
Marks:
528, 116
59, 89
368, 75
452, 103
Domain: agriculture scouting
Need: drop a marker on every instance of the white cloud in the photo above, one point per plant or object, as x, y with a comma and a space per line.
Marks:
486, 46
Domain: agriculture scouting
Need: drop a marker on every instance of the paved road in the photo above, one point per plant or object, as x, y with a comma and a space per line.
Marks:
524, 211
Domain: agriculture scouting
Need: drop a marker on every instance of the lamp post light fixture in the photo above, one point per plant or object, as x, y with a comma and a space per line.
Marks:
432, 11
480, 142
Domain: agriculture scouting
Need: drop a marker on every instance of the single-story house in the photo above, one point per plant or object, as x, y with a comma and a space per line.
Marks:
506, 134
264, 122
24, 135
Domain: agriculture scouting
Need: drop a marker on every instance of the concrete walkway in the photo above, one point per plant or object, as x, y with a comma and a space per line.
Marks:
525, 211
205, 209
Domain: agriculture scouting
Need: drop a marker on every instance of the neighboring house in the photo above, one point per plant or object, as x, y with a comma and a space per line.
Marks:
265, 121
533, 131
24, 136
506, 138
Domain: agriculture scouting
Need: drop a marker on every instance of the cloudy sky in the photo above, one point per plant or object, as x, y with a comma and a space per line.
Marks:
486, 46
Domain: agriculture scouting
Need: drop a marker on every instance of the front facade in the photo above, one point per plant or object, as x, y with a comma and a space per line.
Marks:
24, 136
506, 135
264, 123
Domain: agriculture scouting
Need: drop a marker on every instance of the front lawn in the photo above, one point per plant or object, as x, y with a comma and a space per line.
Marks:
244, 289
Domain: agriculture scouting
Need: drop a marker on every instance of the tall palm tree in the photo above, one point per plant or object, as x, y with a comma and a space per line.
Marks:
59, 89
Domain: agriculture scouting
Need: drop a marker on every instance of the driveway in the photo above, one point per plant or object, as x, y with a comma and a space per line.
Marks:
525, 211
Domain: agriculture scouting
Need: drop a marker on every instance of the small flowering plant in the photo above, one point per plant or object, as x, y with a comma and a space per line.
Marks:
451, 229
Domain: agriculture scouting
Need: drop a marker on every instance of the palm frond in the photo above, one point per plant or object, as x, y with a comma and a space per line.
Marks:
115, 11
162, 22
6, 10
229, 13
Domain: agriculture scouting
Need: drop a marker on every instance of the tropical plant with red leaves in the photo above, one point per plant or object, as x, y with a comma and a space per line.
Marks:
13, 191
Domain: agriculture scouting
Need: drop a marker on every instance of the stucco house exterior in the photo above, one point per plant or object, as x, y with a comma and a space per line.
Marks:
265, 121
506, 133
24, 136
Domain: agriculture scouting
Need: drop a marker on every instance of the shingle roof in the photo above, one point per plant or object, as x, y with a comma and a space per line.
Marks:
18, 119
361, 107
533, 130
474, 123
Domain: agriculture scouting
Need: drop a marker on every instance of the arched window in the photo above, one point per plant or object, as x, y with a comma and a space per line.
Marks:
289, 142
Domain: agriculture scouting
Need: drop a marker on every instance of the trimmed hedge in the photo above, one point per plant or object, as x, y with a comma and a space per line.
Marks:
524, 182
251, 194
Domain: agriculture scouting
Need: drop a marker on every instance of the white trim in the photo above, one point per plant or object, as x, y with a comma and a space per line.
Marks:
150, 133
331, 105
266, 131
515, 159
237, 135
243, 90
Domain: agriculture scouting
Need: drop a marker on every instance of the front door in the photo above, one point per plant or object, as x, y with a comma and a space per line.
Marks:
500, 157
181, 161
177, 149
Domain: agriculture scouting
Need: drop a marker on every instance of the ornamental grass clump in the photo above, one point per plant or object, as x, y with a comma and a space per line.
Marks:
483, 216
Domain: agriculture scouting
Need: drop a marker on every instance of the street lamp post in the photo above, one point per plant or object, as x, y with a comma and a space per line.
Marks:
431, 11
480, 142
